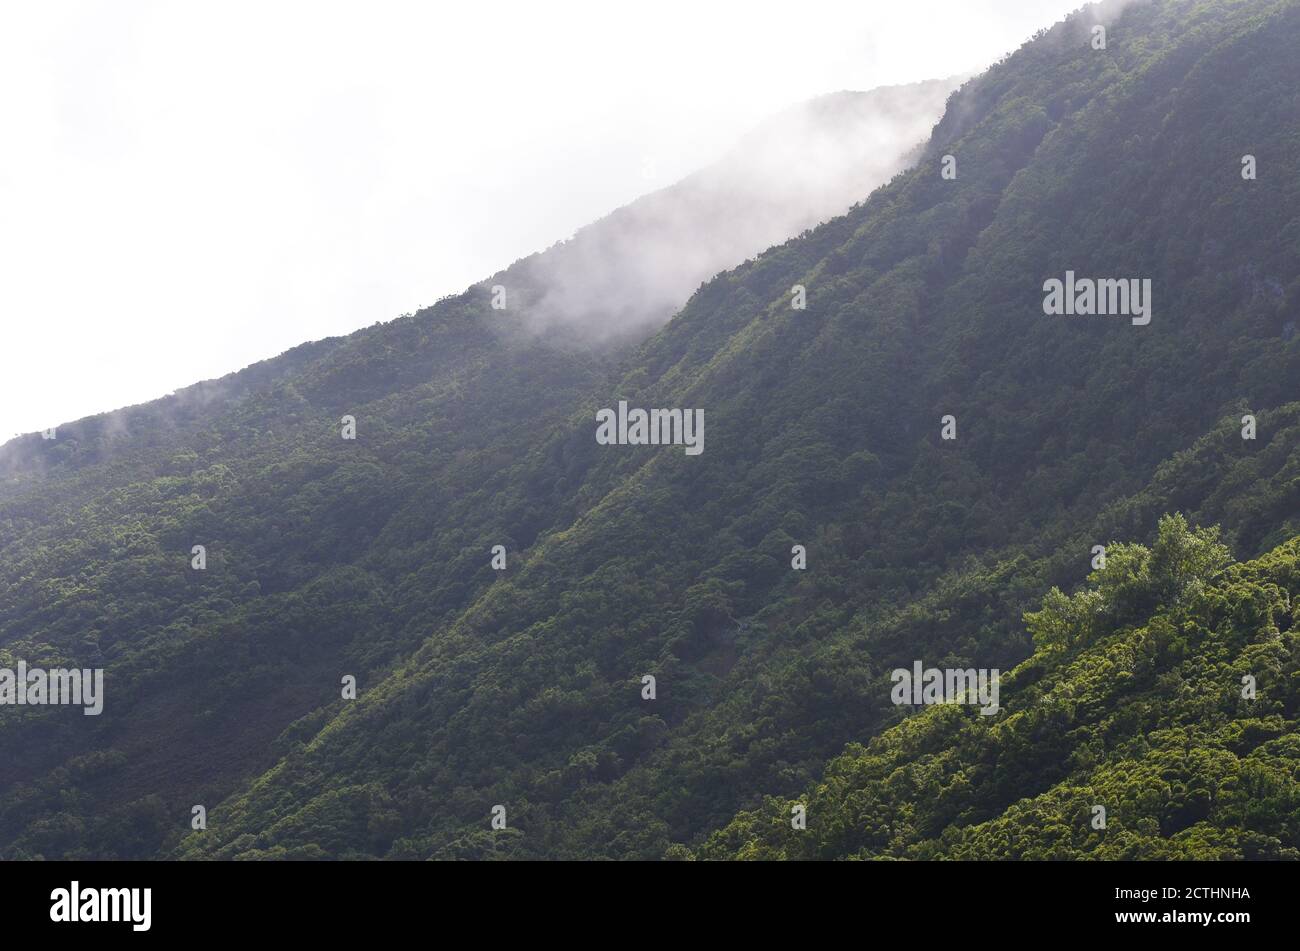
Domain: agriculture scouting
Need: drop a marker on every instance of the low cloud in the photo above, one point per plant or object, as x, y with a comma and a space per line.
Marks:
626, 274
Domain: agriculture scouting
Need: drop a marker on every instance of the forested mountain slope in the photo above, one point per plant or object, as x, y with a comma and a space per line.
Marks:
326, 554
824, 430
523, 688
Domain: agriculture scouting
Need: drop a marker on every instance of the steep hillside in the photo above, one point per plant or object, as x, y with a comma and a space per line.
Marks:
823, 429
326, 555
524, 688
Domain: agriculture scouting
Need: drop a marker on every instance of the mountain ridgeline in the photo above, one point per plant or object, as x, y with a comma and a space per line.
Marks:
524, 687
607, 287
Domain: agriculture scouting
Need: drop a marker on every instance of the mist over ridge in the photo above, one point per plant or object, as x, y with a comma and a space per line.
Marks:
623, 276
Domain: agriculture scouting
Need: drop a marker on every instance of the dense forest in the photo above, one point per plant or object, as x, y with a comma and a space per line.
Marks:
524, 687
1165, 693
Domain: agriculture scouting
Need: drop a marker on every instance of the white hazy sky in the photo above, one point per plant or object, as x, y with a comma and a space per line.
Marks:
187, 188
